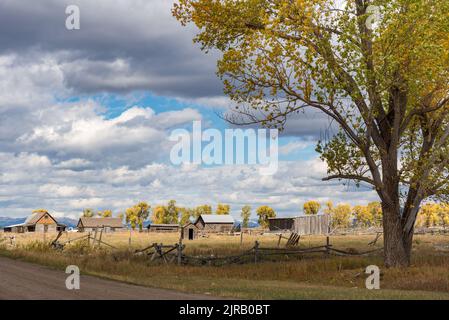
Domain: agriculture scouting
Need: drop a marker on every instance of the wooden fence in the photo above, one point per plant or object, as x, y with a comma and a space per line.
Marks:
94, 240
174, 253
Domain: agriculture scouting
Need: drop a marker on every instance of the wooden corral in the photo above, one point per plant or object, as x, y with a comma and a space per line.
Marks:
91, 224
303, 225
163, 227
212, 223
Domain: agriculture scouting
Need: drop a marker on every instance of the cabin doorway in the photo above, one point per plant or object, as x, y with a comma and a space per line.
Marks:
190, 234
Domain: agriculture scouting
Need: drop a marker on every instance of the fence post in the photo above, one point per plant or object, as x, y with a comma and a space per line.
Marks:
328, 242
94, 240
179, 252
101, 235
256, 249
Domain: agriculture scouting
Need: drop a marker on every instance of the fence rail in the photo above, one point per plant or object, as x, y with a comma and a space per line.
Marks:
175, 253
172, 253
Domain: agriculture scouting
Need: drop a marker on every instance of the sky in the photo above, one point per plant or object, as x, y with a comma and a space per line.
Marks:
86, 115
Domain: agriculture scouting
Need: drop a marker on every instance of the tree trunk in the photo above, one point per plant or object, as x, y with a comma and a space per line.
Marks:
397, 245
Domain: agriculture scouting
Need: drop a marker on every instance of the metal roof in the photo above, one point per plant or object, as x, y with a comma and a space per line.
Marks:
14, 225
295, 217
101, 222
217, 218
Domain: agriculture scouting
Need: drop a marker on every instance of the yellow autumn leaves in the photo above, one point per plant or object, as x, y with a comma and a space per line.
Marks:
342, 214
370, 215
433, 215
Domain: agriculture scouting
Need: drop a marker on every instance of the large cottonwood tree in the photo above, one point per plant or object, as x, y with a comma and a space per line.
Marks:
378, 69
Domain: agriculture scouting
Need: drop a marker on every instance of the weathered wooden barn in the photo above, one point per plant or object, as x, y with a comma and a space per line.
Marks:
302, 225
109, 224
40, 221
213, 223
163, 227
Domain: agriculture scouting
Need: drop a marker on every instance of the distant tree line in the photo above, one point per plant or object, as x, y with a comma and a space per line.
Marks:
433, 215
171, 213
364, 216
370, 215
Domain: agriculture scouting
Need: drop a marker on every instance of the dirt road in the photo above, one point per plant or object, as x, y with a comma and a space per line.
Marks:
21, 280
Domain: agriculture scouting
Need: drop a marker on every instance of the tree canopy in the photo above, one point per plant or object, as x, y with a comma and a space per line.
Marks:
246, 214
166, 214
386, 86
223, 208
265, 212
203, 209
137, 214
88, 213
311, 207
105, 213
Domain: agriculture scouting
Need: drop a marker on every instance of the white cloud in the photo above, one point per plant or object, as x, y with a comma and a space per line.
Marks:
65, 191
293, 147
68, 191
62, 153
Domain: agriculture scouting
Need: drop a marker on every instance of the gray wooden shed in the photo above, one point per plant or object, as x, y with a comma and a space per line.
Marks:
302, 225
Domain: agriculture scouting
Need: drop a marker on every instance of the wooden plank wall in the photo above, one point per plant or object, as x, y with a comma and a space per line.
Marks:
311, 225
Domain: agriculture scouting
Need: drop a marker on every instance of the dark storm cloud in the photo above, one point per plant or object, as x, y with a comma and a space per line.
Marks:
155, 51
310, 124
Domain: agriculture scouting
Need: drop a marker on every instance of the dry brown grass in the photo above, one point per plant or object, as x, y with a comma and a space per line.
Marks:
314, 276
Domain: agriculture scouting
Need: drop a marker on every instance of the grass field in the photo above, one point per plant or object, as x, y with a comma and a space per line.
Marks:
309, 277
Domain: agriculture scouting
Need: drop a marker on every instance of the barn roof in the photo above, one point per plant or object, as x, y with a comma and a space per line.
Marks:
100, 222
188, 224
14, 225
296, 217
36, 216
216, 218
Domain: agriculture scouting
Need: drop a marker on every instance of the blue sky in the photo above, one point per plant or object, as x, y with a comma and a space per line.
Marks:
85, 117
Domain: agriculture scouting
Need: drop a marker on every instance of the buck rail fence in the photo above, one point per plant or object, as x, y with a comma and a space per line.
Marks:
94, 240
175, 253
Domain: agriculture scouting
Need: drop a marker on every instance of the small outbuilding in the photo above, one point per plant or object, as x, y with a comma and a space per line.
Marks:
189, 231
163, 227
214, 223
109, 224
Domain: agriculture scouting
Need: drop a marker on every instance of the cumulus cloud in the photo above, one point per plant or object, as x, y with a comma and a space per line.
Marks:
70, 192
292, 147
122, 45
61, 151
